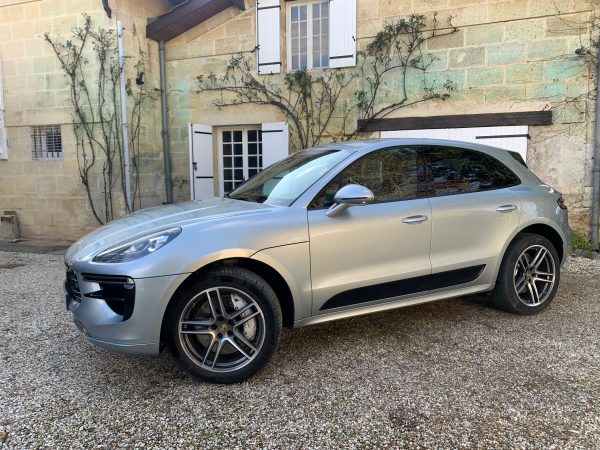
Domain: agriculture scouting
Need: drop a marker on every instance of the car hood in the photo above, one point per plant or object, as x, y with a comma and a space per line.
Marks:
147, 221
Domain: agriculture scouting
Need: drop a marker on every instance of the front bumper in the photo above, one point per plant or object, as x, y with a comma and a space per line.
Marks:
103, 322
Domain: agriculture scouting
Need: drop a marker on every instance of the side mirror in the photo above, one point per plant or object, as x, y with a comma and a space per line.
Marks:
349, 195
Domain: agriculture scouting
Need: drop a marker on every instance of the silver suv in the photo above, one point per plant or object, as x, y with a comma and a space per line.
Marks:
327, 233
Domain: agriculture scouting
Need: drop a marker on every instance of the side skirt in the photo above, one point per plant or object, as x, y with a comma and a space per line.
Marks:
392, 303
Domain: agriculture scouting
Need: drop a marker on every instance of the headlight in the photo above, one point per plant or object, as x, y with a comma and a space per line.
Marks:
139, 248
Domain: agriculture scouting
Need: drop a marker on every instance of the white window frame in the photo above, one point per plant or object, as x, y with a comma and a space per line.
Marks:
244, 129
309, 34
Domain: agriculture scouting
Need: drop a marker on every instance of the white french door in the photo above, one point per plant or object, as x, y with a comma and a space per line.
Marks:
240, 156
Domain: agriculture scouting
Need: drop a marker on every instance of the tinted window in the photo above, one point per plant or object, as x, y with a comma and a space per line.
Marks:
457, 171
518, 157
391, 174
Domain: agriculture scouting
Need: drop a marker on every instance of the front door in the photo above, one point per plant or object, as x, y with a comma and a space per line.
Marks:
374, 252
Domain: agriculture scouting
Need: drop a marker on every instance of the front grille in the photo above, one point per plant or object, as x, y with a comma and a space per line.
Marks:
72, 285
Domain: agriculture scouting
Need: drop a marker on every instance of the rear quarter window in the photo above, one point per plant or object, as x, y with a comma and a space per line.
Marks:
519, 158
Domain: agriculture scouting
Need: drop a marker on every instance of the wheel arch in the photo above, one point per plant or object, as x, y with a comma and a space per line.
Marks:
547, 230
268, 273
549, 233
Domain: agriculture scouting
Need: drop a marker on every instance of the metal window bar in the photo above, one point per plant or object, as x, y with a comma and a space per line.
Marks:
46, 142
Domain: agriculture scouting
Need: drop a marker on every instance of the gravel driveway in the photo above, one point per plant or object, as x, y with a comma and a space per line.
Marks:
453, 373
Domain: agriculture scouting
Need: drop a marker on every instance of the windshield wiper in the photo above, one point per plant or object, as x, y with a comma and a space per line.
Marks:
243, 198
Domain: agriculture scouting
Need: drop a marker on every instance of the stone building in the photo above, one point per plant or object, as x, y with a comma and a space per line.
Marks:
519, 73
39, 174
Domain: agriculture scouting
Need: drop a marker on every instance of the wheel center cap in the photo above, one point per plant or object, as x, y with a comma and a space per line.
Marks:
223, 327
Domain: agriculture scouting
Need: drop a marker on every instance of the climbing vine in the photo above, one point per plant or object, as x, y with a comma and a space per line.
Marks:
89, 61
321, 105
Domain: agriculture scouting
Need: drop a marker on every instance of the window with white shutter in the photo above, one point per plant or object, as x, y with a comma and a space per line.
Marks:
268, 56
308, 35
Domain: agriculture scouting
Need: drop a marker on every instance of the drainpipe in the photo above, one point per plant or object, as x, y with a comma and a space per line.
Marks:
596, 165
165, 122
124, 117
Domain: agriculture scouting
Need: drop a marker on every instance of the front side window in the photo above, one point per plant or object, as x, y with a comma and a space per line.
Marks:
241, 152
453, 170
308, 35
391, 174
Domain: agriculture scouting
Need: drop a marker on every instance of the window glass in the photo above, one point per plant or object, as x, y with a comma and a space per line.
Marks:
242, 156
391, 174
453, 170
308, 33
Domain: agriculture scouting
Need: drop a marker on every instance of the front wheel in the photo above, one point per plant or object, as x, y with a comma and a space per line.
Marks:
226, 327
528, 276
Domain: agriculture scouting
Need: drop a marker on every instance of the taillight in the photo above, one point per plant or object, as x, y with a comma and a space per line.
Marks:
561, 202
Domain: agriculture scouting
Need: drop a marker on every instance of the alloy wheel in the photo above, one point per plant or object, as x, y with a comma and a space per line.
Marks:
222, 329
534, 275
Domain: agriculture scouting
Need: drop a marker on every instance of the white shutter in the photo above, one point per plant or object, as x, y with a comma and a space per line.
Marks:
3, 141
202, 171
275, 142
268, 57
342, 33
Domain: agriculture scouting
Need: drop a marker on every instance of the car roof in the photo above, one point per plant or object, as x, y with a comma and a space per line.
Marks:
367, 145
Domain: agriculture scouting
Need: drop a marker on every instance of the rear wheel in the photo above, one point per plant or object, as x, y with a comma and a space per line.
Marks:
226, 327
529, 275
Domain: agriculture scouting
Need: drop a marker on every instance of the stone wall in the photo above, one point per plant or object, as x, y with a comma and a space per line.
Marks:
47, 194
514, 55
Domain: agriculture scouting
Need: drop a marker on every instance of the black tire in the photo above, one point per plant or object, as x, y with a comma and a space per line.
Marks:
513, 277
228, 286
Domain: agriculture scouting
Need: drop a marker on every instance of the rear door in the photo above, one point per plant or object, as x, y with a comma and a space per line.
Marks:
475, 209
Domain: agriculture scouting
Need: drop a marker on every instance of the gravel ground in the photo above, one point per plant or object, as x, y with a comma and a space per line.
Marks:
449, 374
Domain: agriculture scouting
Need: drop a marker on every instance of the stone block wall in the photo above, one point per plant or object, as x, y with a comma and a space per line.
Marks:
516, 55
47, 194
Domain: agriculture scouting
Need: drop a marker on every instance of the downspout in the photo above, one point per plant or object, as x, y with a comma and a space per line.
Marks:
165, 122
596, 165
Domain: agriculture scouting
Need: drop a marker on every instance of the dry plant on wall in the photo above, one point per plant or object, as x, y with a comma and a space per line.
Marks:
323, 105
90, 62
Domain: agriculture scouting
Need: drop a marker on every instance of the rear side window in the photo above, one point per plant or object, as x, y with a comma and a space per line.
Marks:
452, 170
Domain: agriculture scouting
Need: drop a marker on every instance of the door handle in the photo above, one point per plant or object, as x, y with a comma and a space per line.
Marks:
506, 208
414, 219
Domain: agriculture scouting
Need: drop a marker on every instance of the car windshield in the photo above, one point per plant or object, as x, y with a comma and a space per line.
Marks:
283, 182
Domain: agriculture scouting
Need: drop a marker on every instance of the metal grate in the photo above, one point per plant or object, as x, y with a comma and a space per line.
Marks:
46, 142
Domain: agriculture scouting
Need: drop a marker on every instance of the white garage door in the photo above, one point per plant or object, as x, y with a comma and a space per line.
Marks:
510, 138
